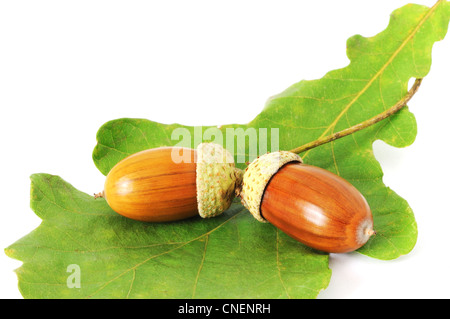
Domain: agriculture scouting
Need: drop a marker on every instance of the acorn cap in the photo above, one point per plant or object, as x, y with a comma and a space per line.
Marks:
257, 176
217, 179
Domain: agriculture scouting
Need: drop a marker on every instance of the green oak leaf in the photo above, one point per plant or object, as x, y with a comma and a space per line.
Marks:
231, 256
376, 78
234, 256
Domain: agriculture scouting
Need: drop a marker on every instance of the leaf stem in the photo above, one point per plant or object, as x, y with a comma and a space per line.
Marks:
355, 128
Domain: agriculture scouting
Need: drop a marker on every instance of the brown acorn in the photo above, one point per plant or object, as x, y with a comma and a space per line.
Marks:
151, 186
308, 203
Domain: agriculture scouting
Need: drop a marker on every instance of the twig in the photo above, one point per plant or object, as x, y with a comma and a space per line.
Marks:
332, 137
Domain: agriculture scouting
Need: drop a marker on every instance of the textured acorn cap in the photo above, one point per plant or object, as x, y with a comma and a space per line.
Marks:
258, 174
217, 179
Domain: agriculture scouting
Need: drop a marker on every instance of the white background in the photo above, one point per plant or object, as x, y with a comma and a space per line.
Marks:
67, 67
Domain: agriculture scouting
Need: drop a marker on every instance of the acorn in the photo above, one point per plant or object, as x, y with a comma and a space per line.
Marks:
151, 186
308, 203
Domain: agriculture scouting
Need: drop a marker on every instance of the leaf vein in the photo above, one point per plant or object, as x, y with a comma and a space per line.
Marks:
164, 253
380, 72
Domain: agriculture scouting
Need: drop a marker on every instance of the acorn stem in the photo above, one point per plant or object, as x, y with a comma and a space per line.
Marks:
332, 137
370, 232
99, 195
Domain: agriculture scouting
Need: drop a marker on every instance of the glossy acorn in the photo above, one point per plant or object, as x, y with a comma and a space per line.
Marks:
308, 203
173, 183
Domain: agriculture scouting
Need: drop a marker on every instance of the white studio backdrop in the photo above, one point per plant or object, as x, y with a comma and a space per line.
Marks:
67, 67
